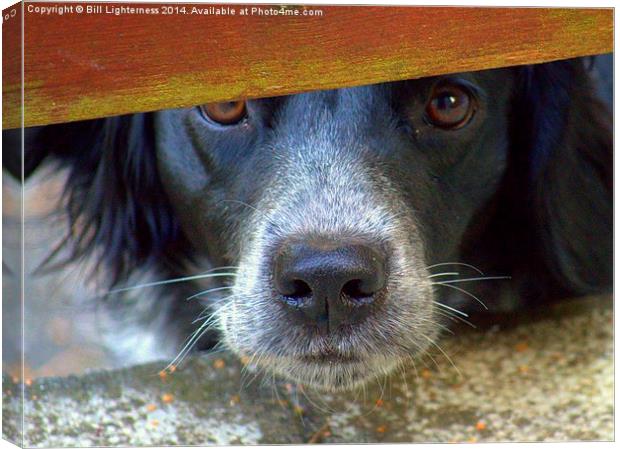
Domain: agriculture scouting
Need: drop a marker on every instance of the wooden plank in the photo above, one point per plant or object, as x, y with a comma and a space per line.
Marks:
11, 65
80, 66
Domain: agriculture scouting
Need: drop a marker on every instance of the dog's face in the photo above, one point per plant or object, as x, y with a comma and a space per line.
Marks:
334, 205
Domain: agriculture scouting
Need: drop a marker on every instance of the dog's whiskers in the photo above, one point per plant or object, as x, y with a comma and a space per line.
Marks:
462, 291
207, 275
247, 378
206, 292
451, 309
424, 352
435, 323
451, 273
208, 311
486, 278
195, 336
454, 317
455, 263
430, 340
191, 341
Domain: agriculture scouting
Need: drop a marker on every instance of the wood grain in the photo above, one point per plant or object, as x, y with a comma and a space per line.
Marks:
80, 66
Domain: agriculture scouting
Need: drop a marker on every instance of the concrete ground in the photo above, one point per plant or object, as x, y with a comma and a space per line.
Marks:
540, 377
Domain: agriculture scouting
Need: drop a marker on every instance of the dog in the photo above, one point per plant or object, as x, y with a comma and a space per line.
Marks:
329, 235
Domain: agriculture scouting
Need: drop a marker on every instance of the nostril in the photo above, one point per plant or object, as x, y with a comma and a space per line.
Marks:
300, 289
353, 289
292, 287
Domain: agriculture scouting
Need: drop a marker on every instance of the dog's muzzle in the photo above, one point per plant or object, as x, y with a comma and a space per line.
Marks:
332, 289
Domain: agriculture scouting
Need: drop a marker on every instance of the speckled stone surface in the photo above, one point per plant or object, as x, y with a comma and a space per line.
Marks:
545, 378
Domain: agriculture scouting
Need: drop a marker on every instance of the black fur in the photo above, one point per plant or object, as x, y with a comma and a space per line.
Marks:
553, 226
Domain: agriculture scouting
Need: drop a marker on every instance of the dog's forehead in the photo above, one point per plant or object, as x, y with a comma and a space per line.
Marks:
337, 100
342, 108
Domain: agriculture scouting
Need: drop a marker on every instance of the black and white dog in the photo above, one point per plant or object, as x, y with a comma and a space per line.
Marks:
336, 230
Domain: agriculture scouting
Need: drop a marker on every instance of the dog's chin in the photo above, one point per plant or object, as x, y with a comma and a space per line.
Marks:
330, 372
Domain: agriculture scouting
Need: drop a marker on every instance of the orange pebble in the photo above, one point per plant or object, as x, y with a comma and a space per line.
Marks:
151, 408
172, 368
480, 425
379, 402
521, 347
167, 398
381, 429
426, 373
163, 374
219, 364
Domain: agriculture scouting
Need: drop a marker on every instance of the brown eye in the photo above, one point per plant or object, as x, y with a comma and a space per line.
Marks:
227, 113
450, 107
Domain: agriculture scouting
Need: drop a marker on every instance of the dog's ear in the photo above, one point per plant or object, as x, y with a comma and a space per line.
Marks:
116, 206
563, 145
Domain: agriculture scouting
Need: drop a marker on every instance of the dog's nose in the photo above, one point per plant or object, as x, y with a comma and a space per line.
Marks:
330, 283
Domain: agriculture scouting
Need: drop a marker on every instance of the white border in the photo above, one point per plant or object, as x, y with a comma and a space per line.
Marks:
503, 3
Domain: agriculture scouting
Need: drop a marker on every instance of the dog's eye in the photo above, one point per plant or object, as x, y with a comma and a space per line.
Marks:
450, 107
227, 113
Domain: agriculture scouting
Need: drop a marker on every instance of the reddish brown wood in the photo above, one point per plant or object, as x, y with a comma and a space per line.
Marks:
80, 66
